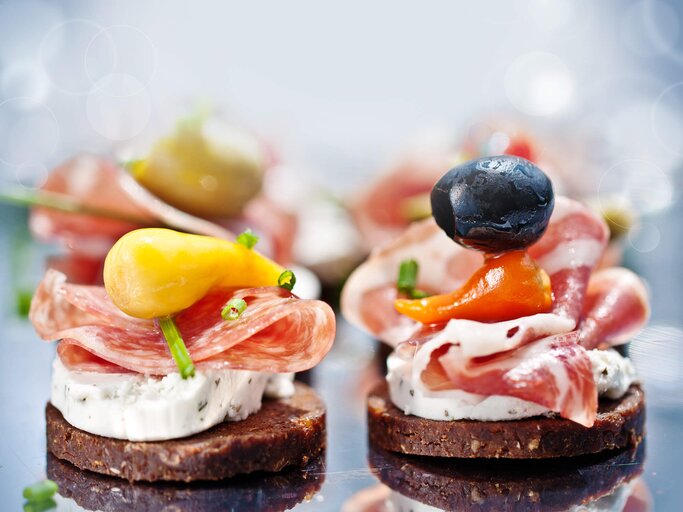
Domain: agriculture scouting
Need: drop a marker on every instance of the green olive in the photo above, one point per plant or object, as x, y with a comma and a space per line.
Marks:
209, 169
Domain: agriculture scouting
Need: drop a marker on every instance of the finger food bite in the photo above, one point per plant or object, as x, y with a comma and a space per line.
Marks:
506, 353
162, 373
205, 176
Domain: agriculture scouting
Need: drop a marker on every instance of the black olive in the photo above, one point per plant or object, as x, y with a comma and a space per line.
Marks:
493, 204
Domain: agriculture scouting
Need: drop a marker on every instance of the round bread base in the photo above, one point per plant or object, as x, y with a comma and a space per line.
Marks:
619, 424
285, 432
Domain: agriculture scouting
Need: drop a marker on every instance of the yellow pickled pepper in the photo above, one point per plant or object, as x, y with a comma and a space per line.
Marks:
155, 272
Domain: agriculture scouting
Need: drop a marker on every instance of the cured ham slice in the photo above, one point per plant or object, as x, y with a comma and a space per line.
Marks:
615, 309
367, 300
278, 332
99, 184
94, 183
568, 251
553, 371
379, 211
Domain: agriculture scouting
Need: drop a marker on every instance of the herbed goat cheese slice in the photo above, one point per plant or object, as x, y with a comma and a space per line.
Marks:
613, 376
144, 408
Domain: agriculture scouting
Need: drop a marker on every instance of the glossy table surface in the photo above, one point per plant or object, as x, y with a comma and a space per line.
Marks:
342, 379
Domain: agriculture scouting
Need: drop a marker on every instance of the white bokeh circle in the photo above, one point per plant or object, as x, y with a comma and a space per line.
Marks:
666, 119
63, 55
27, 134
644, 237
130, 49
25, 79
561, 18
663, 28
119, 107
31, 175
635, 28
539, 84
641, 183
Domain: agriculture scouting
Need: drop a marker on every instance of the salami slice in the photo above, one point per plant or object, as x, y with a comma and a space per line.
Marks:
278, 332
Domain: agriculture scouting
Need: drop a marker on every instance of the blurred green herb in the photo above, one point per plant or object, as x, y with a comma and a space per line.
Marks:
66, 204
23, 302
40, 506
40, 490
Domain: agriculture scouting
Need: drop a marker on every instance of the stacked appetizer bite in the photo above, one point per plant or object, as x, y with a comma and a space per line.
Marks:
206, 177
503, 340
162, 373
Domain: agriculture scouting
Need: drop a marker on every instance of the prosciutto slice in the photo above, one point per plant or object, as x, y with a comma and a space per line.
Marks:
367, 300
554, 372
615, 309
535, 358
98, 184
278, 332
569, 250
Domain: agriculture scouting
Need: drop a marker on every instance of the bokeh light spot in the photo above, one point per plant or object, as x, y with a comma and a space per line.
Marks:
25, 79
539, 84
31, 175
27, 134
63, 55
121, 49
667, 118
641, 183
118, 107
644, 237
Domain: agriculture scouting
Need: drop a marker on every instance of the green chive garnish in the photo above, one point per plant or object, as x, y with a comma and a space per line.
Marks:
407, 276
177, 347
23, 298
40, 491
287, 280
407, 280
248, 239
233, 309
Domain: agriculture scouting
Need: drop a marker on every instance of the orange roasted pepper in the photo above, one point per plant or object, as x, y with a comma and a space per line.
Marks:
507, 286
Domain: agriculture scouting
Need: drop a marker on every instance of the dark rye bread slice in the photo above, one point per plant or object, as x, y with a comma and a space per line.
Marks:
620, 423
507, 485
267, 492
285, 432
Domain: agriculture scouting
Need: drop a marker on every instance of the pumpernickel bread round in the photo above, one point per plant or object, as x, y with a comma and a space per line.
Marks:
285, 432
619, 424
